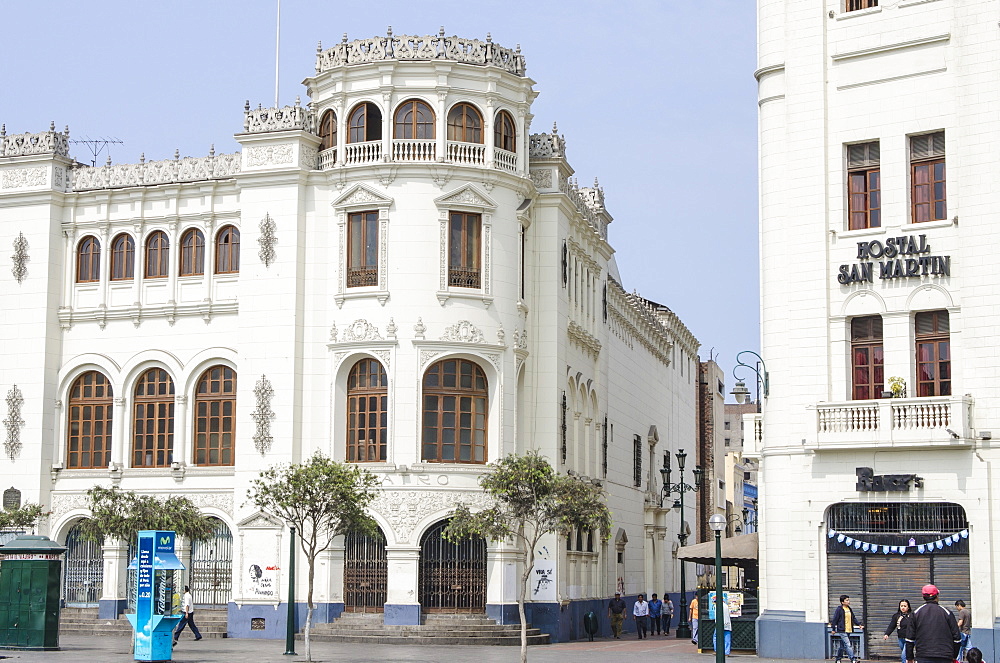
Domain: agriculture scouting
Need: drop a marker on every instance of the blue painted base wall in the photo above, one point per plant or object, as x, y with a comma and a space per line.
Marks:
275, 619
111, 608
787, 634
401, 614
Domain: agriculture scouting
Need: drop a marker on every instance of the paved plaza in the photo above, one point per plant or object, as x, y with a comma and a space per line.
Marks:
93, 649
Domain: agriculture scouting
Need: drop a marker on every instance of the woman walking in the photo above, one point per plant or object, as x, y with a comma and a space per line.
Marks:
902, 624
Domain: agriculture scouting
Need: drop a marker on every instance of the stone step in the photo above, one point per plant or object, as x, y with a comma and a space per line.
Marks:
420, 630
386, 639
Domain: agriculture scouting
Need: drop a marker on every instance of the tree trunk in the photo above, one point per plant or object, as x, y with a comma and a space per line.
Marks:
309, 609
525, 577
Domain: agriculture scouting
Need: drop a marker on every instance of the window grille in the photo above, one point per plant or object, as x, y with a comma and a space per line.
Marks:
562, 428
637, 460
897, 518
604, 450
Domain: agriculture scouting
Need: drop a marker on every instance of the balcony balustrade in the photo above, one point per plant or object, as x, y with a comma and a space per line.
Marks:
895, 422
327, 159
367, 152
467, 154
414, 150
505, 160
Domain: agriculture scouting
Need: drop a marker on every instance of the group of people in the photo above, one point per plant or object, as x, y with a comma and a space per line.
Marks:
652, 616
930, 634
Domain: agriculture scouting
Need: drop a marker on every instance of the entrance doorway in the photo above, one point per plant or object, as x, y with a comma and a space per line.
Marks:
211, 576
366, 572
83, 576
452, 575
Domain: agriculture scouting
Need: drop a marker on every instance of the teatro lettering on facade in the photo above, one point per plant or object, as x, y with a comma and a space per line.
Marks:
904, 257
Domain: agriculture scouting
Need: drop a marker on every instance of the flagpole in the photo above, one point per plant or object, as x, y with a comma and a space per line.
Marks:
277, 53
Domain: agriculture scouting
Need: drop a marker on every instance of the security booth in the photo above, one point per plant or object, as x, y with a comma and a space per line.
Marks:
30, 577
156, 588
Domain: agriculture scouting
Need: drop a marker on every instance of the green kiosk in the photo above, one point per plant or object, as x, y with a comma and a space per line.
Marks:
30, 576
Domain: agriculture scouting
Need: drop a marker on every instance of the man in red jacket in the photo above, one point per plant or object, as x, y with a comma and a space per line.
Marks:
934, 635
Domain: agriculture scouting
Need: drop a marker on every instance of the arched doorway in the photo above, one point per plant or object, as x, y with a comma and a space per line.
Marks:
211, 576
365, 572
83, 572
452, 575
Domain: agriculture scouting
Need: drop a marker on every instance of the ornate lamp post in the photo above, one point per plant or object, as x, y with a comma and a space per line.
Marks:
683, 626
718, 523
740, 391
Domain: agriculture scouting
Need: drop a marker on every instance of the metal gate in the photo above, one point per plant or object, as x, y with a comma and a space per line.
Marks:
211, 575
365, 572
83, 573
452, 576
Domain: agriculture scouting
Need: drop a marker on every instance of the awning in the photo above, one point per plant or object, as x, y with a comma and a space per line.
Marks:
735, 550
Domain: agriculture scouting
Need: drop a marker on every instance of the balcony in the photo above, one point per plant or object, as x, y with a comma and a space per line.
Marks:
466, 154
366, 152
940, 421
414, 150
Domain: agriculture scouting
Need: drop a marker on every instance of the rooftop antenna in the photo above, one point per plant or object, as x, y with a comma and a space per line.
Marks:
277, 53
97, 145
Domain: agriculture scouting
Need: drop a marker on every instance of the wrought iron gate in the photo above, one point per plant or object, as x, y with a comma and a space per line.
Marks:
452, 576
211, 575
83, 577
365, 572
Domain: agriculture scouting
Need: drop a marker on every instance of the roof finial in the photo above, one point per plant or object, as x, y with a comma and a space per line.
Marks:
142, 158
518, 48
211, 150
3, 129
177, 154
441, 32
388, 32
344, 39
555, 128
108, 163
52, 125
67, 131
246, 106
298, 101
319, 47
597, 184
489, 38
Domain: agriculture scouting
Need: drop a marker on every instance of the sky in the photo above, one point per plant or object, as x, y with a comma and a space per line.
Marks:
655, 98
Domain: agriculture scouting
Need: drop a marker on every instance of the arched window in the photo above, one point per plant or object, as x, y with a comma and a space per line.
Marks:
215, 417
227, 251
88, 441
465, 124
367, 412
415, 120
88, 260
455, 402
328, 131
365, 123
122, 258
192, 253
153, 425
157, 255
504, 133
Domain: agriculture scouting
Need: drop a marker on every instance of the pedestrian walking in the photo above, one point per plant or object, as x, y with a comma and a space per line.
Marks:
655, 614
843, 624
616, 613
727, 632
935, 636
667, 613
902, 624
693, 618
187, 606
964, 619
640, 610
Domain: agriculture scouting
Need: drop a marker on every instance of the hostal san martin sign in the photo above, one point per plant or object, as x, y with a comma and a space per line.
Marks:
897, 258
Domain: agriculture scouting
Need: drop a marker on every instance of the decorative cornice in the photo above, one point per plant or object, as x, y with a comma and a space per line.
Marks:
287, 118
149, 173
46, 142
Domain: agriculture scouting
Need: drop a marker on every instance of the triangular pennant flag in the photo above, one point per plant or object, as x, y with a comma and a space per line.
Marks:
857, 545
939, 544
885, 550
902, 550
948, 541
955, 538
840, 538
832, 533
848, 541
920, 549
863, 546
964, 533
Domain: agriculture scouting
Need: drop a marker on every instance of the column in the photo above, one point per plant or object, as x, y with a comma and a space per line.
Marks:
503, 573
181, 453
402, 604
118, 441
329, 585
114, 589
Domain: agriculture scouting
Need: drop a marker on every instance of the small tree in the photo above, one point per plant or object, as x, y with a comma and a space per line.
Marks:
122, 514
23, 517
322, 499
529, 501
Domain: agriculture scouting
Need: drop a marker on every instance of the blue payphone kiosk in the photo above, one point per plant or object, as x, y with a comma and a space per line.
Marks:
157, 581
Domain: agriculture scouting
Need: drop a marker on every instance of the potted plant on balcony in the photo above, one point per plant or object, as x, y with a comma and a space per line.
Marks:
897, 388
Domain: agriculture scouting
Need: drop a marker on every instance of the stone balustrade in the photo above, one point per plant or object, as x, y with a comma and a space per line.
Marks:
413, 47
46, 142
147, 173
287, 118
892, 422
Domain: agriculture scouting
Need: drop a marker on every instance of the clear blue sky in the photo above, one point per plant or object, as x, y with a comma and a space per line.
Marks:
655, 98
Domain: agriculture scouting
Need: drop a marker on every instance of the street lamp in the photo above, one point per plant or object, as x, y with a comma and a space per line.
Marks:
718, 523
683, 630
750, 517
740, 391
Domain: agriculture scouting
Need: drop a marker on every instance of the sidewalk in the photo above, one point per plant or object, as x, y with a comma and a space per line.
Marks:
95, 649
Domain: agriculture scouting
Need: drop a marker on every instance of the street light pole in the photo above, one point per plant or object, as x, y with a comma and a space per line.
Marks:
718, 523
683, 630
290, 616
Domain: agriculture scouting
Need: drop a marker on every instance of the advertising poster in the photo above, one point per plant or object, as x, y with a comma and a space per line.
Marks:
263, 581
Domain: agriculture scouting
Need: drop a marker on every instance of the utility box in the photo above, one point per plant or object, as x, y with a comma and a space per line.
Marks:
30, 577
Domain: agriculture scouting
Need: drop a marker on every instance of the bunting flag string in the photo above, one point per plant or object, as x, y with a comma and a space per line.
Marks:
921, 548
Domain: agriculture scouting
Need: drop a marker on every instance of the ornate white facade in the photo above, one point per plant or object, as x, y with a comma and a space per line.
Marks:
601, 381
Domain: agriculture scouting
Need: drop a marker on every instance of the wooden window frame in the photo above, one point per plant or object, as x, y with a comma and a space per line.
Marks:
413, 126
158, 256
465, 252
362, 125
938, 362
857, 5
435, 411
122, 257
192, 253
459, 128
505, 132
89, 422
88, 260
328, 131
227, 250
864, 186
367, 438
928, 178
215, 407
363, 274
153, 410
867, 338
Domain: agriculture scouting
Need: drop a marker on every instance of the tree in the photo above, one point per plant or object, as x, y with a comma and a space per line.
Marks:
121, 514
529, 501
322, 499
22, 517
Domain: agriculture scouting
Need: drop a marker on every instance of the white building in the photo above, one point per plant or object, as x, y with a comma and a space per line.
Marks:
422, 287
865, 279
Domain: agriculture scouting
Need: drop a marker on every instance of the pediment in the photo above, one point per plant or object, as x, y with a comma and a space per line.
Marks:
363, 195
466, 196
260, 520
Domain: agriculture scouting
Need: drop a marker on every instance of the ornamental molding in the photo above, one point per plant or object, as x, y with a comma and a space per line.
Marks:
585, 340
263, 415
23, 178
359, 330
363, 195
13, 423
267, 240
521, 340
260, 520
547, 146
221, 501
20, 258
404, 510
467, 196
308, 157
64, 503
463, 331
46, 142
269, 155
148, 173
287, 118
541, 178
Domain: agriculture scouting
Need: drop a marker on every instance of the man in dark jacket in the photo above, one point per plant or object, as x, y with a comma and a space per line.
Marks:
934, 635
843, 624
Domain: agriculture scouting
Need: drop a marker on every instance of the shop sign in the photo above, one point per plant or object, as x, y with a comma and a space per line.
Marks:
868, 481
897, 257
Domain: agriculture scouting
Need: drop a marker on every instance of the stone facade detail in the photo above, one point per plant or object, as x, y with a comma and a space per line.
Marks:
405, 509
13, 423
23, 178
361, 330
20, 258
463, 331
267, 240
262, 415
47, 142
287, 118
269, 155
166, 171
